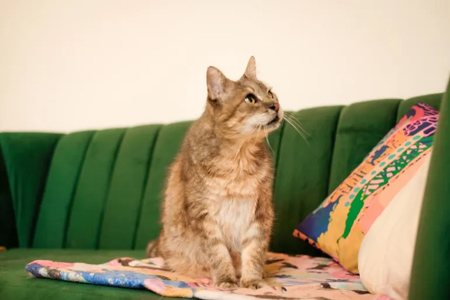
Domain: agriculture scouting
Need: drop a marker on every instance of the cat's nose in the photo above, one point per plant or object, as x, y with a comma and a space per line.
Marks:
275, 107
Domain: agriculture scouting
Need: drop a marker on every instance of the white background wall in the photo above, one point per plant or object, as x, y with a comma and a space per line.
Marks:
71, 65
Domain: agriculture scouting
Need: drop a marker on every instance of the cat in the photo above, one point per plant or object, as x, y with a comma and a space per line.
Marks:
217, 211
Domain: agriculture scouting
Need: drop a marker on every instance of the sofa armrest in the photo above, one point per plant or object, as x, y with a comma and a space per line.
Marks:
8, 231
431, 268
24, 163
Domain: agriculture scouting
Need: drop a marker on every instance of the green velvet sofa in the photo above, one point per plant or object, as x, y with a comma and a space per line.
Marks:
94, 195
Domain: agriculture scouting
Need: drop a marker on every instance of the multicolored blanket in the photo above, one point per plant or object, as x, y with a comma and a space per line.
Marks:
291, 277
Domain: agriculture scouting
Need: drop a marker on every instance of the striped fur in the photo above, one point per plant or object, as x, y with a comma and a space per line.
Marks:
217, 213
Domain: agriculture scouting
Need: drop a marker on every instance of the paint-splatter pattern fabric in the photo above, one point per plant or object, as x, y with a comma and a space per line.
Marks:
291, 277
340, 223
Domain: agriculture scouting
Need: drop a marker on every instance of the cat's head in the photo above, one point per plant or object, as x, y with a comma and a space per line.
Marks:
243, 108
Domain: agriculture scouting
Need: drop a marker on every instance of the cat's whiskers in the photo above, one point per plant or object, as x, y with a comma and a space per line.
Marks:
297, 128
261, 128
268, 143
292, 118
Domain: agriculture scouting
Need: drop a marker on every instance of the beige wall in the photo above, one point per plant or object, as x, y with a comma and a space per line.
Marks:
71, 65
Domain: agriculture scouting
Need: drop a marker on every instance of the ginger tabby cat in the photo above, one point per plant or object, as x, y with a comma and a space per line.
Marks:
217, 213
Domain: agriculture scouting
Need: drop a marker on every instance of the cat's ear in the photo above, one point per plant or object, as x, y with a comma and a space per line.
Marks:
216, 82
250, 72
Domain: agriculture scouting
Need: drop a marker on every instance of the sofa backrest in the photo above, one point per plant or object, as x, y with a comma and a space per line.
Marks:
103, 188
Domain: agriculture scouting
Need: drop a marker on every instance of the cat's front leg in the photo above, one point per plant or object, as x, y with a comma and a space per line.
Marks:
219, 257
253, 258
255, 242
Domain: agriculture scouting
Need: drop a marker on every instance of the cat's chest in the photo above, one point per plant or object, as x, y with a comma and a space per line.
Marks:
243, 187
235, 181
234, 217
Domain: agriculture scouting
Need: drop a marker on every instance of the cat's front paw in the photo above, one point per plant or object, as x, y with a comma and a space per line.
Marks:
253, 284
229, 284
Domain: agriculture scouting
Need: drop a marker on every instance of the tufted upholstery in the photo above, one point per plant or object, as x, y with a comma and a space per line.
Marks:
102, 189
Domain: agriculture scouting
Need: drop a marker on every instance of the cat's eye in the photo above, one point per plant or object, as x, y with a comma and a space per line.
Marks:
270, 94
251, 99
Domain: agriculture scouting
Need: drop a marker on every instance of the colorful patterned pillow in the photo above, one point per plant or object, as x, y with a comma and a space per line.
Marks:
339, 224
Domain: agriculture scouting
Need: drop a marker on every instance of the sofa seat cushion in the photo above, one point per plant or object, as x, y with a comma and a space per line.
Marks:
16, 284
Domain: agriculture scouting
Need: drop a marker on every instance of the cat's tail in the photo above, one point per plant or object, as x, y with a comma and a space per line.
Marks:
152, 248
